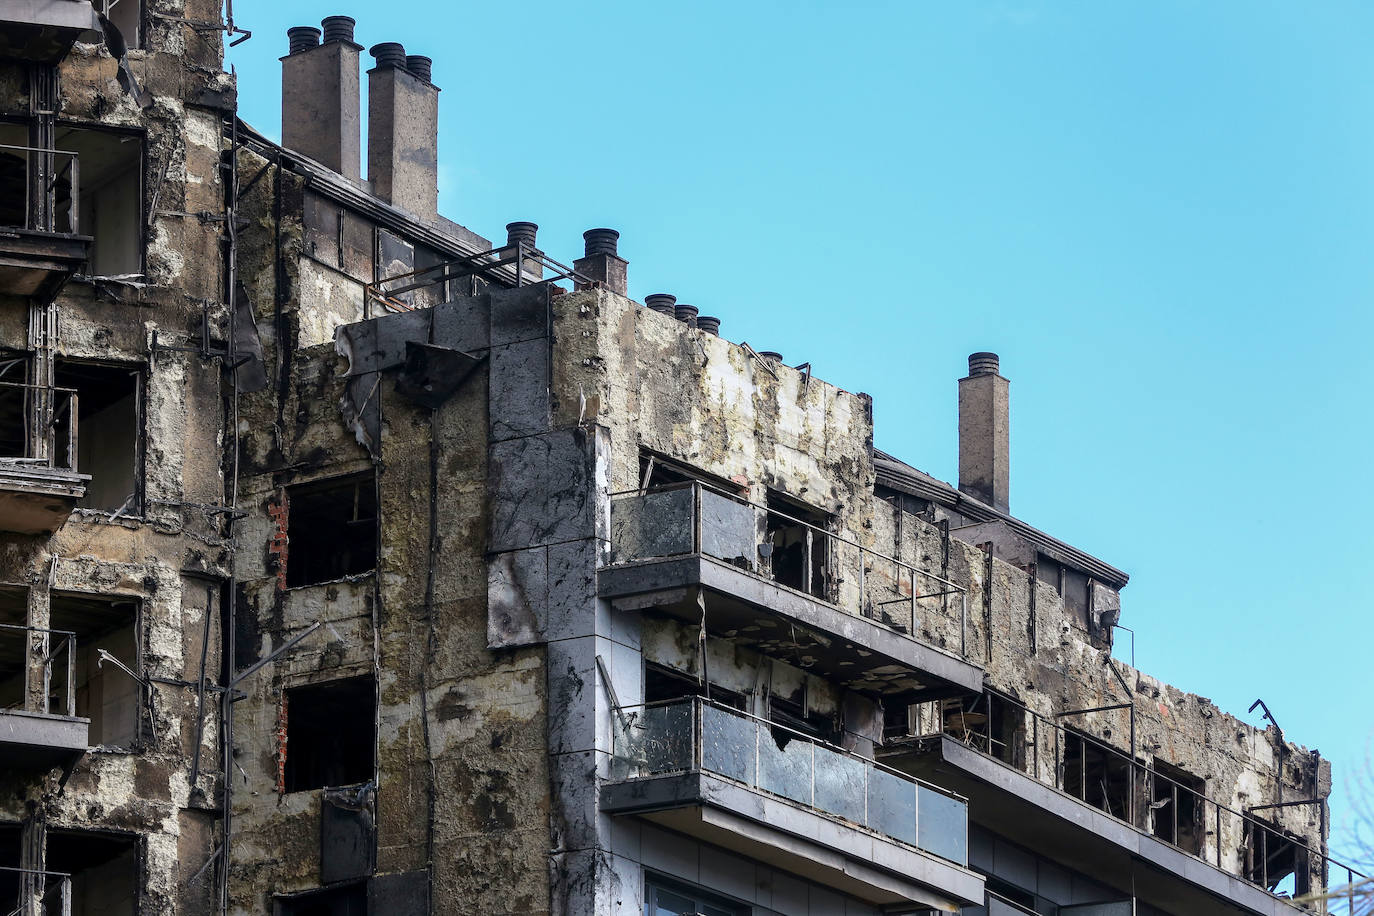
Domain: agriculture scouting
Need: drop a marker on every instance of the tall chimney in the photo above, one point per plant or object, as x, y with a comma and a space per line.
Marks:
984, 438
403, 132
320, 98
602, 262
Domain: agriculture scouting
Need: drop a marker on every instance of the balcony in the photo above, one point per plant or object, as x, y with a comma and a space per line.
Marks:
1095, 809
40, 244
782, 797
39, 484
35, 892
44, 30
39, 728
786, 588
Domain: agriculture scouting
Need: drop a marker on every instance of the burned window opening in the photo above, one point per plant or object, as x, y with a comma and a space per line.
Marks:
331, 530
350, 900
899, 720
109, 433
991, 723
798, 716
111, 698
657, 471
127, 16
331, 735
104, 869
18, 161
110, 196
1275, 860
14, 657
1097, 773
797, 545
1176, 807
662, 684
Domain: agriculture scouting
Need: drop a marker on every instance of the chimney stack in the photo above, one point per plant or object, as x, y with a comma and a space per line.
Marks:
984, 436
601, 263
403, 131
663, 303
320, 98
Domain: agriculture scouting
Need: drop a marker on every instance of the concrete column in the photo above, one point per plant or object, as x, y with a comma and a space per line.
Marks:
321, 101
984, 438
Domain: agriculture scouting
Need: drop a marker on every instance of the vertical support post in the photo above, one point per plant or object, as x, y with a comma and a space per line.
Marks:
808, 572
76, 194
71, 675
696, 518
66, 896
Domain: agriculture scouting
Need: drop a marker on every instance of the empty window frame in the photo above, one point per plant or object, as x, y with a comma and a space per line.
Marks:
331, 734
109, 434
109, 696
127, 16
104, 869
350, 900
331, 529
1176, 807
989, 723
798, 547
14, 654
799, 716
18, 207
662, 684
110, 189
1275, 860
665, 897
1096, 773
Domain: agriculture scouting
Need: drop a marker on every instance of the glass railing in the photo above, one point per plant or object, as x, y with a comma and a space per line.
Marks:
696, 735
693, 518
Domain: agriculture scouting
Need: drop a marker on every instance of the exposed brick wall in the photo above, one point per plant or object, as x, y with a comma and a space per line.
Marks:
281, 744
279, 511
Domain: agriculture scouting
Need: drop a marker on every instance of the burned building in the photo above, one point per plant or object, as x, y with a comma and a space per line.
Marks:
355, 563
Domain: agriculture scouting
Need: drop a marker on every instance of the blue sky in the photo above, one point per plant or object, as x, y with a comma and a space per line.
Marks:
1159, 213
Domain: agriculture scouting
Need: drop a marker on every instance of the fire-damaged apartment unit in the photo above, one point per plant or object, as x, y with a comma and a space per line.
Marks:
353, 563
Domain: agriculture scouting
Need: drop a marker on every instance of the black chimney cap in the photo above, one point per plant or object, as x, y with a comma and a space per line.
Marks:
420, 66
339, 28
389, 54
600, 241
302, 38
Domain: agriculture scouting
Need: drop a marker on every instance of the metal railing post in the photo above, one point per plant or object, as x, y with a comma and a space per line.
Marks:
71, 675
696, 518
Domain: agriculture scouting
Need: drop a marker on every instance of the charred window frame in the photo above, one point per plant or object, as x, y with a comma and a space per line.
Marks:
345, 900
113, 194
1275, 859
331, 734
796, 713
658, 470
331, 529
990, 723
797, 545
127, 16
14, 650
1097, 773
114, 700
106, 869
1177, 807
664, 684
110, 441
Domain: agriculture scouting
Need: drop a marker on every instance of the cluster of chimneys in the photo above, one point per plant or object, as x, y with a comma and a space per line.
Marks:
321, 113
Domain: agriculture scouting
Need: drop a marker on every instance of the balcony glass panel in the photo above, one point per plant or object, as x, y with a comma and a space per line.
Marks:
695, 735
728, 529
648, 525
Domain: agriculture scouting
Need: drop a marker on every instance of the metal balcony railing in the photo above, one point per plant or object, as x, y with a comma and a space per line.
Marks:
38, 426
35, 893
1154, 803
697, 735
48, 197
44, 664
693, 518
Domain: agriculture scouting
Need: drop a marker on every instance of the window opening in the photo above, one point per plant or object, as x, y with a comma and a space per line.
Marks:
108, 433
989, 723
336, 901
1275, 861
15, 163
104, 870
110, 189
799, 554
799, 717
127, 16
663, 897
331, 735
1096, 773
663, 684
109, 697
331, 530
657, 471
1176, 807
14, 656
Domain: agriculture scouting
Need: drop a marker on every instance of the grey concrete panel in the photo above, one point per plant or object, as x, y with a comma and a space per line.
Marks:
517, 597
519, 314
539, 492
463, 323
519, 394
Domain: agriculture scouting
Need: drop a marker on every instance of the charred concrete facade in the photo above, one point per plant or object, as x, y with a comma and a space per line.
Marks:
355, 563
